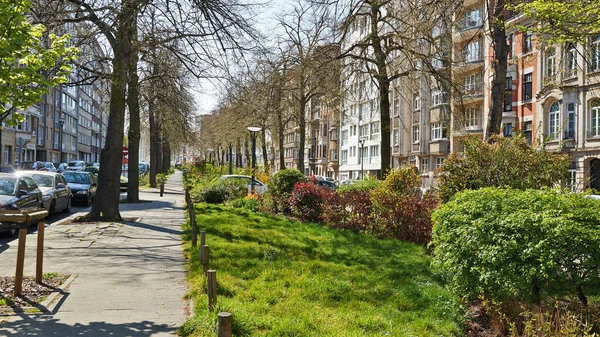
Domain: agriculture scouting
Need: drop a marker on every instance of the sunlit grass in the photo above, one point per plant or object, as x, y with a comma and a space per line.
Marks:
284, 278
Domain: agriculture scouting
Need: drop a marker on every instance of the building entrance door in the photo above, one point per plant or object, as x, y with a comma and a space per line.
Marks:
595, 174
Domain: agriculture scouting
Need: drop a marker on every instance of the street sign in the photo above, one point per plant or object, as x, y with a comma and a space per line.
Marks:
125, 151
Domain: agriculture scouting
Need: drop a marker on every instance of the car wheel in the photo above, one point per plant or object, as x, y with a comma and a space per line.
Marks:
68, 208
52, 208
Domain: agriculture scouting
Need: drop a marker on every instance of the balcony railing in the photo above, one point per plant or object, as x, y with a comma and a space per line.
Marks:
473, 89
471, 56
570, 134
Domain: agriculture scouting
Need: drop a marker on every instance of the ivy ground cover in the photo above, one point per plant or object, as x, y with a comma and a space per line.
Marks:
280, 277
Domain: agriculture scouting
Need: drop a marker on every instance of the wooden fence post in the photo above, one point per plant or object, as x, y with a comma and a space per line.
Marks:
205, 251
224, 324
202, 243
20, 260
39, 264
211, 287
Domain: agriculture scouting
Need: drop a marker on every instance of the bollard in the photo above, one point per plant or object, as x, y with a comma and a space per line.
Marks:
205, 251
211, 288
20, 261
194, 226
162, 189
202, 243
39, 265
224, 324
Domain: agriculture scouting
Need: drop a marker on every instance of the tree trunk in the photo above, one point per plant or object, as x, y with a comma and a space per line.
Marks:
302, 130
500, 64
165, 160
133, 135
265, 153
238, 153
280, 133
383, 80
154, 132
247, 153
107, 195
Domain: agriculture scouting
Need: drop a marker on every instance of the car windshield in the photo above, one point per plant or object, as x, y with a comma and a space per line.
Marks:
7, 186
77, 178
75, 163
43, 180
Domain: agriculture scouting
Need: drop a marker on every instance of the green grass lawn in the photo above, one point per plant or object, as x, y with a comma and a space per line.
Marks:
285, 278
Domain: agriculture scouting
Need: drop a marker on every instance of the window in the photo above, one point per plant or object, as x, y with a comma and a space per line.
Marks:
510, 41
595, 53
570, 133
438, 131
334, 155
595, 120
508, 94
396, 106
364, 130
553, 121
364, 154
527, 87
374, 153
334, 134
472, 19
528, 131
438, 97
416, 137
7, 153
527, 41
571, 62
439, 162
344, 157
507, 130
573, 177
344, 137
56, 139
472, 53
417, 102
550, 66
472, 84
424, 165
375, 131
472, 118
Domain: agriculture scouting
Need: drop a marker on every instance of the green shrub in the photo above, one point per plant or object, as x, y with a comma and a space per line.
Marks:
368, 184
505, 244
214, 194
281, 185
219, 191
503, 162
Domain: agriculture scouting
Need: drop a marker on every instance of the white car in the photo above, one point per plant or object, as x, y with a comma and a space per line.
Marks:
76, 165
259, 187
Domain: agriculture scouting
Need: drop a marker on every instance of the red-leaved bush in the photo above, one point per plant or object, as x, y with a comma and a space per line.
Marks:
351, 209
307, 200
406, 216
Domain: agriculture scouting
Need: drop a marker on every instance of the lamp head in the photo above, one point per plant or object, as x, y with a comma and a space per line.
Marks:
254, 128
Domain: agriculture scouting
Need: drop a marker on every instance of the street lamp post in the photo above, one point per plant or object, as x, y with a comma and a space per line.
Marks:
253, 131
60, 146
230, 158
361, 142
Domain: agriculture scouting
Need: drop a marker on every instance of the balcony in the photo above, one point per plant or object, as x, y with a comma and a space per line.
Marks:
470, 59
569, 140
467, 28
439, 146
472, 91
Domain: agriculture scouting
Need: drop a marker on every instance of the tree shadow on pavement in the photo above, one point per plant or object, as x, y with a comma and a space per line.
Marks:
48, 326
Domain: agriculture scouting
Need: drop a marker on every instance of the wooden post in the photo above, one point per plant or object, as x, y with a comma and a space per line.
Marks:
224, 324
194, 226
202, 243
20, 260
205, 251
39, 264
162, 189
212, 288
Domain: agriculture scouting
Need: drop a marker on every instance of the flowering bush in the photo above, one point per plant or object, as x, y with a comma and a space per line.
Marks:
307, 200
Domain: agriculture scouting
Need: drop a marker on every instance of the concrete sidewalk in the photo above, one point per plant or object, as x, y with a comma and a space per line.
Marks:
130, 277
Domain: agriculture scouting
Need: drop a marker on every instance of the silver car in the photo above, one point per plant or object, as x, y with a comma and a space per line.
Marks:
56, 194
259, 187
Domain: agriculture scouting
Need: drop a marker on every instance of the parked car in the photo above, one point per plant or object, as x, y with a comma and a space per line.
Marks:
32, 165
83, 186
49, 166
76, 165
60, 168
18, 192
259, 187
56, 193
143, 168
93, 169
326, 183
124, 182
